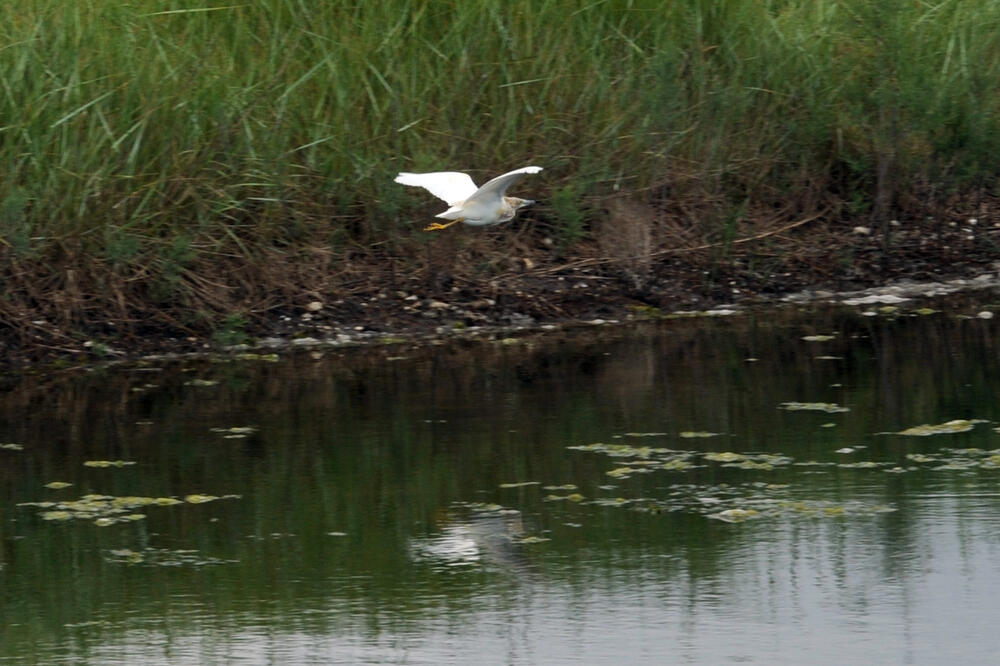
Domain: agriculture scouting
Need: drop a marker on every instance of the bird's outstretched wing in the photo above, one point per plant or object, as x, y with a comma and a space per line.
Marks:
496, 187
452, 186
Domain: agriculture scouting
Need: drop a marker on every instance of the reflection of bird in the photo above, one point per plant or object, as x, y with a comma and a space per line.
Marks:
483, 537
476, 207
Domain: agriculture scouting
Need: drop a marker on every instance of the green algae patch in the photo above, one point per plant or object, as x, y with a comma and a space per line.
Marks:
201, 382
108, 463
818, 338
565, 486
724, 456
751, 461
10, 446
950, 427
106, 510
734, 503
622, 450
828, 407
677, 465
572, 497
640, 459
520, 484
948, 459
57, 485
693, 434
162, 557
200, 499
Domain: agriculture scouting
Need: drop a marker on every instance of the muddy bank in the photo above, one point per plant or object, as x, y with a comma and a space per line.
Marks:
530, 286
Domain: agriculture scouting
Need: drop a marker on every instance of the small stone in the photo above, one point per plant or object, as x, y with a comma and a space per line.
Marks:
864, 231
314, 306
985, 314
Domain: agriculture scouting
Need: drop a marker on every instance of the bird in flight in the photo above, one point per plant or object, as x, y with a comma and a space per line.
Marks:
477, 207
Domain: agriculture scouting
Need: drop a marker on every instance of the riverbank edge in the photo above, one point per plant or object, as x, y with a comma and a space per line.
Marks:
308, 336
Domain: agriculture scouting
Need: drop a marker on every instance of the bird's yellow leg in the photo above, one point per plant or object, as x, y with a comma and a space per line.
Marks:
437, 225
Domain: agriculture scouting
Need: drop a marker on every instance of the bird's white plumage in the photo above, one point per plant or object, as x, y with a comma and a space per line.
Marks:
477, 207
451, 186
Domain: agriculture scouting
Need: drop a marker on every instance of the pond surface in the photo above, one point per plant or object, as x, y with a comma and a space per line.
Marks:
705, 491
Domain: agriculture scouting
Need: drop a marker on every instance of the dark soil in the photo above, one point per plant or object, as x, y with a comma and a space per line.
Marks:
517, 276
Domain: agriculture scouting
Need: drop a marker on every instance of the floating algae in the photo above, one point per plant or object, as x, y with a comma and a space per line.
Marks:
572, 497
519, 484
950, 427
105, 510
948, 459
162, 557
828, 407
757, 461
622, 450
108, 463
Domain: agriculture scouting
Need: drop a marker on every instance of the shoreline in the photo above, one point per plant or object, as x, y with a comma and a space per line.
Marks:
310, 334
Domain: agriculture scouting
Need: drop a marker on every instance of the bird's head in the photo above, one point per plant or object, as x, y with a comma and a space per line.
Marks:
518, 204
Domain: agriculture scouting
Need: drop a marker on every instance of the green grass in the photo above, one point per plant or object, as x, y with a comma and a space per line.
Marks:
152, 136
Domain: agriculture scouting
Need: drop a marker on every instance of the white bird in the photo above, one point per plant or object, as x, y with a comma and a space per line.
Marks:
478, 207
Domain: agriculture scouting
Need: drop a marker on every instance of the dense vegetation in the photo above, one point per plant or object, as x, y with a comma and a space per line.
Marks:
192, 158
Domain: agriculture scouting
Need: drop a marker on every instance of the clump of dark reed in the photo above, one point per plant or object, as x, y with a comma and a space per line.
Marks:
204, 156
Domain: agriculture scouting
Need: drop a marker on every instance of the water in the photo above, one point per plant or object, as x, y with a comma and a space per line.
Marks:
371, 525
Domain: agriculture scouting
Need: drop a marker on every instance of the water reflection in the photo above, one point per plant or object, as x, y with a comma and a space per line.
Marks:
423, 505
473, 536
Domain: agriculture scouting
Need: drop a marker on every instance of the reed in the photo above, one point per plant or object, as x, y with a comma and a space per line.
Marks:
149, 137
